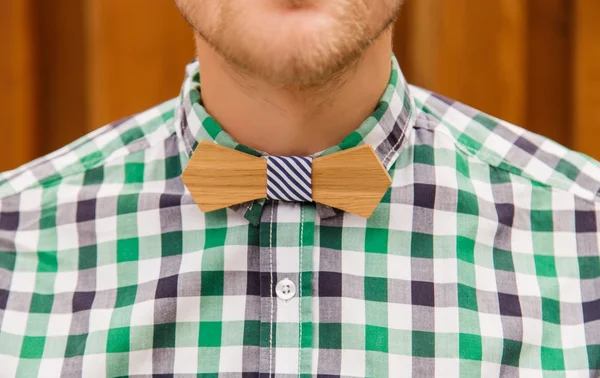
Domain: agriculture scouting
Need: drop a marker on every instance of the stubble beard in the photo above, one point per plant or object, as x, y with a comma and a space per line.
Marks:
292, 60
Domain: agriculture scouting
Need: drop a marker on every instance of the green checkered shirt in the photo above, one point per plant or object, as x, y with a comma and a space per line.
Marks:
481, 260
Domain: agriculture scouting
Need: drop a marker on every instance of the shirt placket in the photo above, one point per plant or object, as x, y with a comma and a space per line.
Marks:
286, 248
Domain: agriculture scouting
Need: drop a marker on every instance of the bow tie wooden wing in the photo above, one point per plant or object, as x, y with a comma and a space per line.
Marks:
219, 177
352, 180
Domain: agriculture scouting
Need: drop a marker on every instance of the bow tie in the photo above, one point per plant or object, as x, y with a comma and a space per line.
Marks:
352, 180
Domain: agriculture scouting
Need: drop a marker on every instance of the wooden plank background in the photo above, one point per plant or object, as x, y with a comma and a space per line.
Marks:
586, 76
18, 78
72, 66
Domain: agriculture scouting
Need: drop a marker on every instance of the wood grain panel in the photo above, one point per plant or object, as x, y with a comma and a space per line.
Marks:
586, 66
470, 50
62, 84
136, 58
18, 103
549, 79
415, 41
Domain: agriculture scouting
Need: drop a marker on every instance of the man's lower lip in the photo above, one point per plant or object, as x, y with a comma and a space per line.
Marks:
296, 4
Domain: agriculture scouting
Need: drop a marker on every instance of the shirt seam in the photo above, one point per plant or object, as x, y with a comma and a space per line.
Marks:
95, 163
271, 291
431, 125
405, 132
300, 290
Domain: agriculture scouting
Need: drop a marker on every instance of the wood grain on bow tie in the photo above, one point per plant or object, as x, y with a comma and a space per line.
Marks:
352, 180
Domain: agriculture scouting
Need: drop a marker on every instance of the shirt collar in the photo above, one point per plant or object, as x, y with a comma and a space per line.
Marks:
385, 130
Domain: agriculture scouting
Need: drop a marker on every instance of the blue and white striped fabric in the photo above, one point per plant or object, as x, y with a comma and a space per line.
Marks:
289, 178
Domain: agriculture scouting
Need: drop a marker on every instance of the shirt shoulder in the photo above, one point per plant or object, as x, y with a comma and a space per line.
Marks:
508, 147
110, 142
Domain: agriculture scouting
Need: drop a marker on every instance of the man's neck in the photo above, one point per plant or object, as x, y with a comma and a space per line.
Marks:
293, 122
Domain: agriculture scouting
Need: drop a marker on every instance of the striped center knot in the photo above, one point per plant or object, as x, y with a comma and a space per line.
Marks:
289, 178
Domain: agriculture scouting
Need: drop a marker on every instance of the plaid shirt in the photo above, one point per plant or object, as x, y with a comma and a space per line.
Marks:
482, 259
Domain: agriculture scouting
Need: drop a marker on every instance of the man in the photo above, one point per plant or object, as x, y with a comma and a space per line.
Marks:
478, 257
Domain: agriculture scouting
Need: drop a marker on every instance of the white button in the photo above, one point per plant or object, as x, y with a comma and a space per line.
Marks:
285, 289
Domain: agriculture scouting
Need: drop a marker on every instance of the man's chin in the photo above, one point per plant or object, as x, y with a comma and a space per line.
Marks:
291, 69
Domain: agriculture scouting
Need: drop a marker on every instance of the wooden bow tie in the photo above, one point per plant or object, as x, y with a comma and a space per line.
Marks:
352, 180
